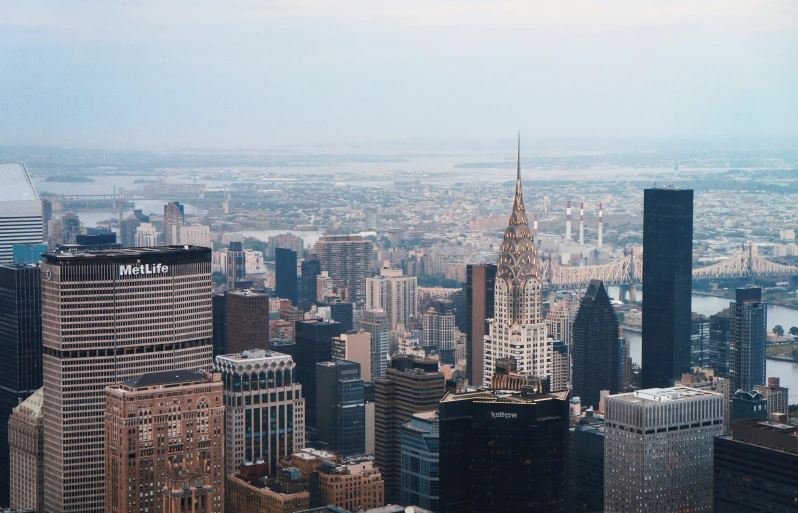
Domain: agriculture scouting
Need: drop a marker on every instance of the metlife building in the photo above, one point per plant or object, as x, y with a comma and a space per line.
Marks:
503, 451
108, 316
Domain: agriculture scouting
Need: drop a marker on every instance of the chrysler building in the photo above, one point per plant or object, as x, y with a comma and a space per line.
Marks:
518, 329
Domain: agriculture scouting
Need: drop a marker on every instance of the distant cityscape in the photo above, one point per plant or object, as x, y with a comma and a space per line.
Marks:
448, 332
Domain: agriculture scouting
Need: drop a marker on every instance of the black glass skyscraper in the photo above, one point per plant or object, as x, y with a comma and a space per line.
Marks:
343, 313
596, 349
219, 324
311, 269
667, 285
20, 349
747, 339
341, 409
503, 452
313, 345
285, 274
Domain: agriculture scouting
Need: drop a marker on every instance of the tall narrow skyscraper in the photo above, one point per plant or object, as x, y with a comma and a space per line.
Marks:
313, 345
596, 351
311, 268
747, 339
375, 323
480, 283
394, 293
109, 316
340, 407
285, 274
20, 349
517, 329
667, 285
173, 220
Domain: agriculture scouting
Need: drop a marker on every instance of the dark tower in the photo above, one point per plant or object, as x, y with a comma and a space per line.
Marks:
219, 324
480, 280
313, 345
503, 452
21, 350
341, 409
311, 269
596, 350
747, 339
285, 274
667, 285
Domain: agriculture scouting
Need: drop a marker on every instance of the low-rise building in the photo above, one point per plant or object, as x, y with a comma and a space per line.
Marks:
251, 491
26, 452
352, 484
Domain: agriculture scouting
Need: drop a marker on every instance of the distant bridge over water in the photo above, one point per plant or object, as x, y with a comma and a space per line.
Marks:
628, 270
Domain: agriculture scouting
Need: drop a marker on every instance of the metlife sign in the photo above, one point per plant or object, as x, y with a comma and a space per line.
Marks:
134, 270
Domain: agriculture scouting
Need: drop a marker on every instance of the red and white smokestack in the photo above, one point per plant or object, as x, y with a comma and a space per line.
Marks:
535, 227
601, 224
568, 221
581, 223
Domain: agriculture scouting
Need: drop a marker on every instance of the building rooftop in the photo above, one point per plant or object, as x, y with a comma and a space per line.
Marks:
126, 253
246, 292
15, 183
504, 396
33, 404
659, 395
163, 378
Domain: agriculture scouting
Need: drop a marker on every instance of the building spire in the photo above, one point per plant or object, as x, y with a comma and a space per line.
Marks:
519, 196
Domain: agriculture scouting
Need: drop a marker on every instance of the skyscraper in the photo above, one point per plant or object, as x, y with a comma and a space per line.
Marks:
699, 340
719, 329
313, 345
410, 385
355, 347
480, 283
747, 339
667, 285
421, 460
340, 407
109, 316
342, 312
311, 268
26, 445
173, 220
146, 236
375, 323
176, 436
439, 334
20, 210
596, 351
347, 258
219, 304
195, 235
504, 451
658, 449
755, 468
517, 329
247, 320
285, 274
20, 347
264, 409
236, 267
394, 293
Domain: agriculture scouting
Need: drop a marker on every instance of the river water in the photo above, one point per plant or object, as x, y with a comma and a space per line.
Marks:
709, 305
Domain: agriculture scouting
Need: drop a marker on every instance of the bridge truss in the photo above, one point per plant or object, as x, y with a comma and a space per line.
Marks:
628, 270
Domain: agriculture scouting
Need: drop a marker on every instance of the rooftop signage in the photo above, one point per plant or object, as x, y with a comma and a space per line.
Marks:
132, 270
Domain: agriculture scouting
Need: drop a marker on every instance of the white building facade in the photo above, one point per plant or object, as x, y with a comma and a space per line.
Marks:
394, 293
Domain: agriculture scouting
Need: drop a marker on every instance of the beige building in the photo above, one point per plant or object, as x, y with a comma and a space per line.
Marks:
347, 258
353, 484
26, 451
394, 293
355, 347
164, 444
146, 236
265, 417
108, 316
254, 493
195, 235
173, 220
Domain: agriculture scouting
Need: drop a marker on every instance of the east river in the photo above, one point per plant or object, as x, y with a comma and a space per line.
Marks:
709, 305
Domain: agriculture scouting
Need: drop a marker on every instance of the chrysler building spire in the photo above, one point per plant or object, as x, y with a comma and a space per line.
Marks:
517, 330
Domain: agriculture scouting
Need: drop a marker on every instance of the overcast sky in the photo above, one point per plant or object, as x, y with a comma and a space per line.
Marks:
166, 74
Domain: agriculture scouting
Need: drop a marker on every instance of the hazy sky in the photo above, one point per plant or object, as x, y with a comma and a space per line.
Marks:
260, 73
